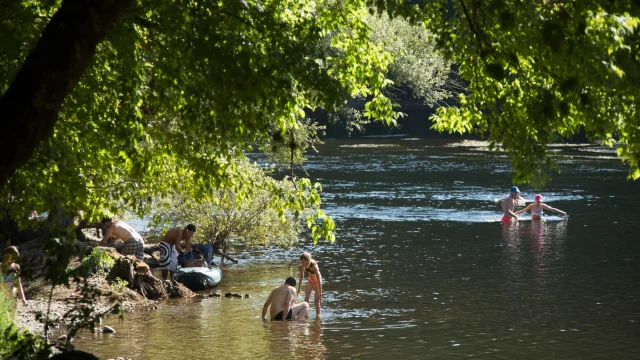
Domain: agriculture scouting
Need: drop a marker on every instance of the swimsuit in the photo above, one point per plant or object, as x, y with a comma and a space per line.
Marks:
279, 315
168, 257
312, 280
134, 246
9, 280
537, 214
506, 218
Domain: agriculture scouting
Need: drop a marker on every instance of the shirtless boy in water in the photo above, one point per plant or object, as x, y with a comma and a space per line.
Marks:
282, 301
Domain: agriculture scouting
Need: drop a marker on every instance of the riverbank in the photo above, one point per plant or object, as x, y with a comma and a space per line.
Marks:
129, 284
64, 299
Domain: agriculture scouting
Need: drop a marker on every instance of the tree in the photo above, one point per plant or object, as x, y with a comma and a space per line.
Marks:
178, 91
249, 220
539, 72
287, 148
30, 106
417, 68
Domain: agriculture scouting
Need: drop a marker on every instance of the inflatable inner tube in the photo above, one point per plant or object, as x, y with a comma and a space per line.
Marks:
198, 278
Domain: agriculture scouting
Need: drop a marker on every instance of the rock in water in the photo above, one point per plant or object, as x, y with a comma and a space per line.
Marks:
62, 338
108, 330
227, 295
237, 296
246, 296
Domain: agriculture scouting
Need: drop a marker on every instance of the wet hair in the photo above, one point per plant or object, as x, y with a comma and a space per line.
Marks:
107, 219
191, 228
306, 256
290, 281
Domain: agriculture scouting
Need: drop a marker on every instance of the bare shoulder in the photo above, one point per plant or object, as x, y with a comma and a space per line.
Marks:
171, 234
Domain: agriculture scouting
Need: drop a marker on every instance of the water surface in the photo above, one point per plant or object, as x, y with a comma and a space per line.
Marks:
423, 268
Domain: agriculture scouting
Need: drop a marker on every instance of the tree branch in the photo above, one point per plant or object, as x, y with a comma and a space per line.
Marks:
29, 108
239, 18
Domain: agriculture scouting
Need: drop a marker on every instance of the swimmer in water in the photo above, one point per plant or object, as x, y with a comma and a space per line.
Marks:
509, 205
537, 207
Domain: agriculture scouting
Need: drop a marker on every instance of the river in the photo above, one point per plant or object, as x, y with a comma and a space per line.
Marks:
422, 267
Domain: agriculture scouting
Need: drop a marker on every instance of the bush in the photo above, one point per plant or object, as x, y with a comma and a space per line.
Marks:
118, 285
98, 262
15, 343
246, 214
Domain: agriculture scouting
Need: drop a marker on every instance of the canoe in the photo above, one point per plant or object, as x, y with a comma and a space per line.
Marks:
198, 278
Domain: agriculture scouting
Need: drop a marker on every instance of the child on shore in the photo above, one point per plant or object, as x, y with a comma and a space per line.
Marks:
314, 280
10, 274
537, 207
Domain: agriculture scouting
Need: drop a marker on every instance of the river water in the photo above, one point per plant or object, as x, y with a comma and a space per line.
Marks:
423, 268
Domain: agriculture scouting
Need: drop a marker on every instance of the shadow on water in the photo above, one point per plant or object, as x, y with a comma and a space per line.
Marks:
423, 267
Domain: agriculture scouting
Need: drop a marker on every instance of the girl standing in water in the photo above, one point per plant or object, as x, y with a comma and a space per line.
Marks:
314, 280
537, 207
10, 274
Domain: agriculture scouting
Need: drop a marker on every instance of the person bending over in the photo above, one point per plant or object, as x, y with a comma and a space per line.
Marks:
170, 246
133, 242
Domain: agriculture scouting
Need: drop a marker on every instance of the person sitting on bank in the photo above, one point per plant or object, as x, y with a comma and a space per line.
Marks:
282, 300
170, 246
10, 274
133, 242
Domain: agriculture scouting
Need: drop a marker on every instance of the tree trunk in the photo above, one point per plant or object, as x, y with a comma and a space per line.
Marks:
29, 108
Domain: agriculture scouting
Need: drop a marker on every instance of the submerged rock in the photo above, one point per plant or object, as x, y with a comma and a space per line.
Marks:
215, 295
108, 330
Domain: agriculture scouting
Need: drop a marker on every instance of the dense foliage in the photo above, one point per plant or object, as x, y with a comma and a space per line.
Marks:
539, 72
417, 69
180, 90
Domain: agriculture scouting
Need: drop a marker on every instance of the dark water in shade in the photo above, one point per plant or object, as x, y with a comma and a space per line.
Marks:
423, 268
